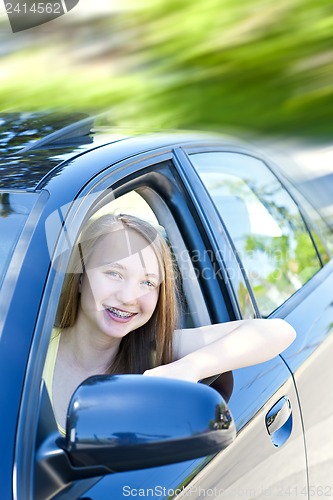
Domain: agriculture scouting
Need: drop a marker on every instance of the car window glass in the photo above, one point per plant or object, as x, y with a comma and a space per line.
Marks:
14, 211
321, 230
264, 223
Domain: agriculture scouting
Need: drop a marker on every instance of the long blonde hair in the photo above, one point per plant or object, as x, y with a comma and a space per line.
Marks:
151, 344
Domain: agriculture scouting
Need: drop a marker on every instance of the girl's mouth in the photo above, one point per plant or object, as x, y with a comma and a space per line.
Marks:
119, 314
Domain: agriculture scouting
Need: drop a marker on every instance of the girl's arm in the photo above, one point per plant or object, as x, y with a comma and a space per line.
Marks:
210, 350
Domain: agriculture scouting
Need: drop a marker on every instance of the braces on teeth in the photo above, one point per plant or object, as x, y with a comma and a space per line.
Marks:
117, 312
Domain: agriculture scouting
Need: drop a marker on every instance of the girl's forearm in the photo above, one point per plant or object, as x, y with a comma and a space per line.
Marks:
251, 342
223, 347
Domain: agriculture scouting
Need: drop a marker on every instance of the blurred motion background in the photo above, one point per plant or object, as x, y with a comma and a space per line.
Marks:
261, 65
259, 69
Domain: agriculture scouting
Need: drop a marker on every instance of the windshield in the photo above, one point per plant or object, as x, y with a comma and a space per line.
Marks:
14, 211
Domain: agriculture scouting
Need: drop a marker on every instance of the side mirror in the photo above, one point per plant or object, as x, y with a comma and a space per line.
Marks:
125, 422
130, 422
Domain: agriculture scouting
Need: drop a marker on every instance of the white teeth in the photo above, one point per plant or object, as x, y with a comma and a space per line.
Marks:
120, 314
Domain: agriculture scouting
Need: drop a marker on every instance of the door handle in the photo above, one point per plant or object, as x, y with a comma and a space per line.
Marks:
279, 421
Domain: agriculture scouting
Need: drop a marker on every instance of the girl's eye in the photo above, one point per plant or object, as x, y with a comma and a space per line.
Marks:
150, 284
113, 274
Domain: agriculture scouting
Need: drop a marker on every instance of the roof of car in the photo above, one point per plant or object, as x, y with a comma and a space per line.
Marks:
33, 146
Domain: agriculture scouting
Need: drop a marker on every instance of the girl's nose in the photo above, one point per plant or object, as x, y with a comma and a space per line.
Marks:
128, 294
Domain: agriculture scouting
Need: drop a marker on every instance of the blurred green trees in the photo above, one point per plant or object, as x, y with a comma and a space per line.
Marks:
260, 65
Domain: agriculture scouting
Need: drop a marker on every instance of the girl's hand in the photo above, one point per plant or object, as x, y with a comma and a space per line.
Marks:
180, 369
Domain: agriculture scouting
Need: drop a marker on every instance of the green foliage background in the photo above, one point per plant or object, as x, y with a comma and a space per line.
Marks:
259, 65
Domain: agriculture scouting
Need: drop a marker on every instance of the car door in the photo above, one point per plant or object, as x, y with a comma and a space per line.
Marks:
288, 278
162, 192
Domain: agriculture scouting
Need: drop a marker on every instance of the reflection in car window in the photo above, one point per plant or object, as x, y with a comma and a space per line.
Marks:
264, 222
321, 231
14, 211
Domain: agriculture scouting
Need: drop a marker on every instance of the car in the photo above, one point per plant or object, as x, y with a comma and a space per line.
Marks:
247, 244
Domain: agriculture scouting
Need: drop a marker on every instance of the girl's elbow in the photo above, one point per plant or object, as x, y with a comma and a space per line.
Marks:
291, 333
284, 330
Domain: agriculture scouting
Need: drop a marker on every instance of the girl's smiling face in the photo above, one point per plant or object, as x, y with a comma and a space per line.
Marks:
120, 288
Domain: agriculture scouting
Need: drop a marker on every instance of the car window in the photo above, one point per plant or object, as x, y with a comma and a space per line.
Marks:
14, 211
264, 223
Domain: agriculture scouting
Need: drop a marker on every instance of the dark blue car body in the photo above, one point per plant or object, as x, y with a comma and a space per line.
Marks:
59, 180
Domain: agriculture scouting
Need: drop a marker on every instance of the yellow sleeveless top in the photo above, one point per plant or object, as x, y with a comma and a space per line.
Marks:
49, 366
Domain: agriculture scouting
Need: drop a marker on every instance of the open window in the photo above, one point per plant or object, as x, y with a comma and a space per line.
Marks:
148, 205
